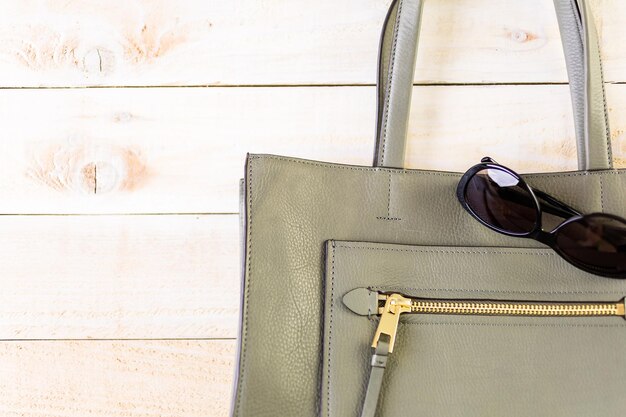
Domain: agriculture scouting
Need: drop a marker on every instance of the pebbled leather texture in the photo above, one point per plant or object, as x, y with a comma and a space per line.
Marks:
397, 54
473, 366
293, 206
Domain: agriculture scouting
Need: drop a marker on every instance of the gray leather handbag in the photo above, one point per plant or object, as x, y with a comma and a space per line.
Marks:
333, 254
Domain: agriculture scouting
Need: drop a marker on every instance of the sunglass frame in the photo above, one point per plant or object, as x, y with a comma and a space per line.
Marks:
537, 233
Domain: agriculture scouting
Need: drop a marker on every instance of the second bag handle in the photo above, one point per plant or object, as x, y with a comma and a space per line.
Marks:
396, 66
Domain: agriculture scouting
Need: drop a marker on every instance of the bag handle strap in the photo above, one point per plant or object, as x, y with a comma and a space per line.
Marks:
375, 381
396, 66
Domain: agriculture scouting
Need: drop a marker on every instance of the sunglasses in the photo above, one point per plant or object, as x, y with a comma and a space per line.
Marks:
501, 200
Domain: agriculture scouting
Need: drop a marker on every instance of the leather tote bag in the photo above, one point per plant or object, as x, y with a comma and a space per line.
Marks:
325, 244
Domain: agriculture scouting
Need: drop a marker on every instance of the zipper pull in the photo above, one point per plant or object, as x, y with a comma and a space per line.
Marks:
395, 304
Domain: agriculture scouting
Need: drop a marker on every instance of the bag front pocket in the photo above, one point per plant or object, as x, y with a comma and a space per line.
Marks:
474, 332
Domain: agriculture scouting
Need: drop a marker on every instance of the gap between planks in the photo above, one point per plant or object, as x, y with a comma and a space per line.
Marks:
186, 154
195, 42
137, 339
119, 277
311, 85
116, 378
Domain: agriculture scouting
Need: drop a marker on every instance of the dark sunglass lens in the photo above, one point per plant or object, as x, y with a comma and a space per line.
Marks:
595, 240
499, 199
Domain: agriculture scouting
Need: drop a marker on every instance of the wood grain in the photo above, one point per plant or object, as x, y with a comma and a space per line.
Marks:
271, 42
116, 378
159, 293
182, 150
118, 277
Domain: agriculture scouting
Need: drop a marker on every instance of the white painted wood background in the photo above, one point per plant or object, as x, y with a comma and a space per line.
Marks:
124, 127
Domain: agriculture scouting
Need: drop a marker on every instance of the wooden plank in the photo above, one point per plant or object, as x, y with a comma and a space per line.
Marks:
116, 277
182, 150
164, 150
116, 378
609, 17
195, 42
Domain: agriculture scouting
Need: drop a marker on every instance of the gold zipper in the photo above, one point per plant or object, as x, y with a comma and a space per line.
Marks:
396, 304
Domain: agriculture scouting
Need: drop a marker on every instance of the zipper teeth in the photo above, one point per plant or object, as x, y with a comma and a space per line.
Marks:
513, 309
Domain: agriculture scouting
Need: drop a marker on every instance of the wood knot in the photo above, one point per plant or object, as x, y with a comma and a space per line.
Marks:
523, 37
89, 169
520, 36
99, 61
101, 177
122, 117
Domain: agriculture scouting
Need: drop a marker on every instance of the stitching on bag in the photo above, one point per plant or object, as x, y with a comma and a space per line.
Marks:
389, 78
388, 217
247, 287
330, 329
389, 197
384, 288
531, 252
433, 173
607, 130
579, 174
354, 168
601, 196
495, 251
